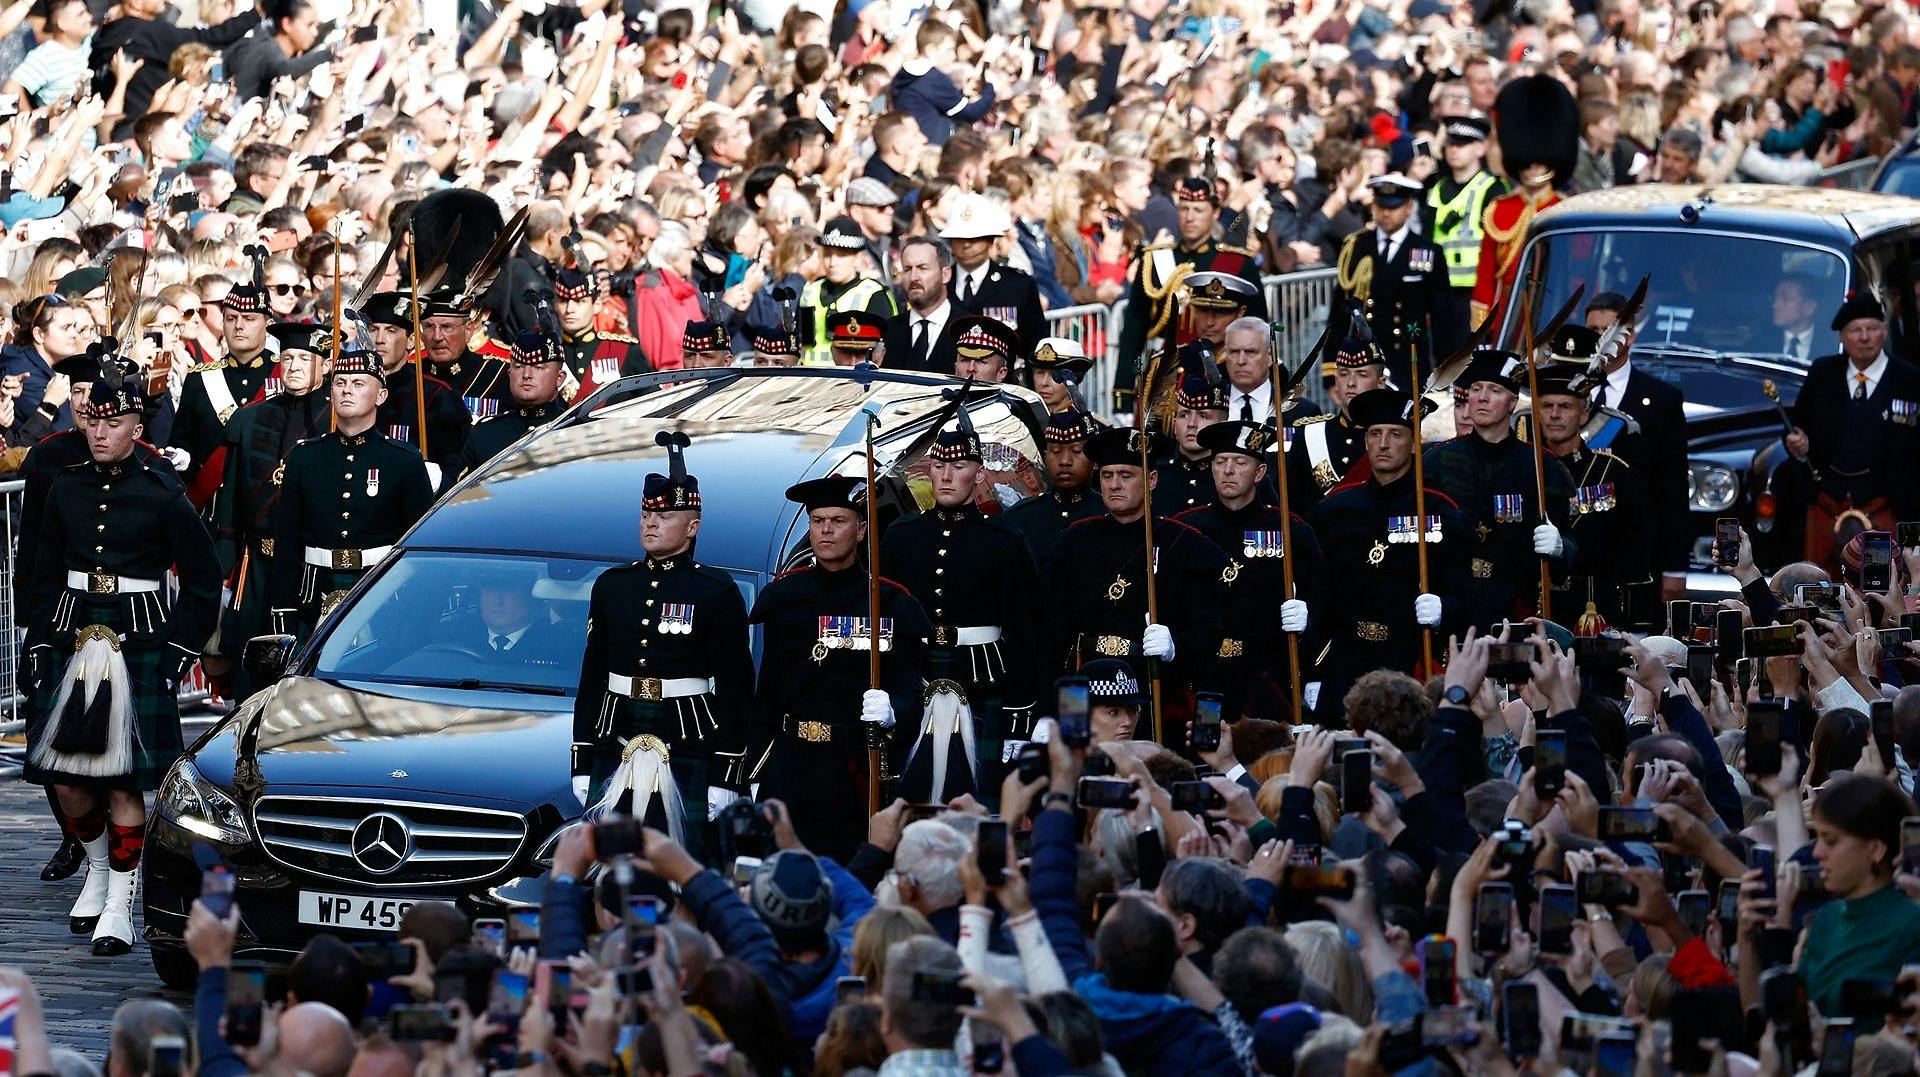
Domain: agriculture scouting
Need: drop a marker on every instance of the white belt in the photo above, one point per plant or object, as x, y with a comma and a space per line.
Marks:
966, 637
106, 583
346, 560
656, 688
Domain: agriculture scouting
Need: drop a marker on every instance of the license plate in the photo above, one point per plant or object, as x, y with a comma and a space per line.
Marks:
355, 911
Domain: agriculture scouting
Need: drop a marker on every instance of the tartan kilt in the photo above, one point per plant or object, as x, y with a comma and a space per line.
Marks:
156, 709
249, 617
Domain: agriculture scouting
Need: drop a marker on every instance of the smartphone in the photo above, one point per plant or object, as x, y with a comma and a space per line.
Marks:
1680, 618
1206, 721
1606, 888
183, 203
1449, 1026
1910, 842
1336, 882
1728, 911
989, 1055
491, 934
618, 836
1071, 711
167, 1056
1105, 793
430, 1023
244, 997
1580, 1031
1882, 724
1616, 1054
1422, 147
633, 981
1549, 763
1508, 663
523, 927
1907, 534
1618, 823
1691, 1013
1910, 622
1726, 541
1787, 615
507, 999
1764, 720
1836, 1049
353, 124
1559, 911
743, 869
364, 34
1700, 671
1439, 973
1773, 641
1033, 762
1196, 797
1760, 859
1694, 906
1783, 997
849, 989
1493, 918
990, 849
1728, 626
555, 984
940, 987
1520, 1019
216, 890
1356, 783
1876, 562
1892, 640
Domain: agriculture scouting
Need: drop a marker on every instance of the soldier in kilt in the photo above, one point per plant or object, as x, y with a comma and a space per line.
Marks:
109, 647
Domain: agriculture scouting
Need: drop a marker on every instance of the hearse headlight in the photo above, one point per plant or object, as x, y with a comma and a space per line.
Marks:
199, 807
1711, 487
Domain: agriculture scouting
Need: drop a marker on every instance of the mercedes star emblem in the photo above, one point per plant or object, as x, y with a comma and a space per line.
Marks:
382, 842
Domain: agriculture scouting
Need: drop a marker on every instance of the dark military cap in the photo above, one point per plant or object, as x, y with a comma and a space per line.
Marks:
572, 283
246, 298
1563, 379
1352, 354
119, 389
1198, 393
1111, 683
1383, 407
532, 348
1858, 305
299, 336
1239, 436
389, 308
1193, 189
1573, 343
773, 340
1118, 445
81, 281
704, 336
1219, 291
445, 301
856, 330
1068, 427
359, 362
676, 490
1503, 368
977, 336
1393, 189
830, 492
83, 368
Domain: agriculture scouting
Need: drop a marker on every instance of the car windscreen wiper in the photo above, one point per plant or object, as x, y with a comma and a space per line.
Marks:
466, 684
1674, 347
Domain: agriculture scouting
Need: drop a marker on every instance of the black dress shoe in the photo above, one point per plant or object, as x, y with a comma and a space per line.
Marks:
111, 946
82, 925
64, 862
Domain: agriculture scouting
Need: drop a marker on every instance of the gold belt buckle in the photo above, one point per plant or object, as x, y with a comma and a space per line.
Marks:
99, 632
1113, 646
1371, 631
942, 636
813, 732
1232, 648
646, 688
102, 583
346, 560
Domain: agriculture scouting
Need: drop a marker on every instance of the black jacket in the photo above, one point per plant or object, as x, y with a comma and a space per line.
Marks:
1658, 455
1892, 431
899, 341
1410, 307
1011, 296
256, 61
154, 42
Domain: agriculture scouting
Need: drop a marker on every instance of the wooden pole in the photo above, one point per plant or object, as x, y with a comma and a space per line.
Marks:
1420, 517
339, 331
1286, 518
1539, 444
875, 737
1153, 594
419, 350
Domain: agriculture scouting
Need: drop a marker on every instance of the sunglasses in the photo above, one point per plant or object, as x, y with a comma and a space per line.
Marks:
282, 289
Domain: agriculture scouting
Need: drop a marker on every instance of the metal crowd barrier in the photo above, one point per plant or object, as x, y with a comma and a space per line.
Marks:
1850, 176
1299, 302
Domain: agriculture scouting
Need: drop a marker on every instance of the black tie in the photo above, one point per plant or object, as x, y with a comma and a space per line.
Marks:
1246, 409
500, 643
917, 355
966, 288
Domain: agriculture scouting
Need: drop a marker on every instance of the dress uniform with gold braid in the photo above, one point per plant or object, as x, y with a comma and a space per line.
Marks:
668, 656
345, 499
1162, 275
809, 746
976, 579
111, 645
448, 423
1493, 483
1368, 534
1043, 519
1324, 448
1096, 578
1186, 482
1402, 288
595, 358
1252, 656
479, 374
1537, 123
490, 437
258, 442
214, 391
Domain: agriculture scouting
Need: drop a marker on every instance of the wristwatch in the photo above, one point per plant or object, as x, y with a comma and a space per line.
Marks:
1457, 695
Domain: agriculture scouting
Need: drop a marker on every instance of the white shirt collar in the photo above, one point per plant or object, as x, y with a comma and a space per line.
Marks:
978, 276
1874, 372
936, 318
513, 638
1394, 239
1617, 384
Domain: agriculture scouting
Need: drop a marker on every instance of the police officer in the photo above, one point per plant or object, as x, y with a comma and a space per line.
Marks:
1610, 505
1456, 204
109, 646
1164, 268
460, 353
668, 656
216, 389
773, 345
389, 316
1069, 497
840, 290
258, 441
706, 345
981, 285
593, 358
1368, 533
534, 383
345, 498
815, 705
1252, 656
1489, 474
854, 336
976, 579
1214, 301
1097, 576
1397, 280
1185, 479
1324, 448
1059, 364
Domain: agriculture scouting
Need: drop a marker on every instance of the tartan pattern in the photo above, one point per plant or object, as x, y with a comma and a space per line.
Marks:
123, 846
156, 710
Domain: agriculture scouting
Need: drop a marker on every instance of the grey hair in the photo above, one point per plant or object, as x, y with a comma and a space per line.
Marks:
930, 853
137, 1023
1247, 323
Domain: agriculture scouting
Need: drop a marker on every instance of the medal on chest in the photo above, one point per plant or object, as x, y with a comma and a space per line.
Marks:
482, 407
1378, 554
1904, 412
1117, 590
604, 370
373, 482
1231, 573
849, 633
1596, 498
1263, 543
1403, 529
676, 618
1509, 508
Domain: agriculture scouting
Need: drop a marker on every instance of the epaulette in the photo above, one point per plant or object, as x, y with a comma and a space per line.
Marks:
1311, 419
1168, 245
314, 440
1247, 252
211, 364
1609, 454
618, 338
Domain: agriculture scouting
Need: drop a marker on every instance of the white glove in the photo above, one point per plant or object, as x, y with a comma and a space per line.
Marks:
1293, 616
581, 783
1547, 541
876, 708
1426, 610
1157, 642
1310, 696
433, 475
717, 800
179, 458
